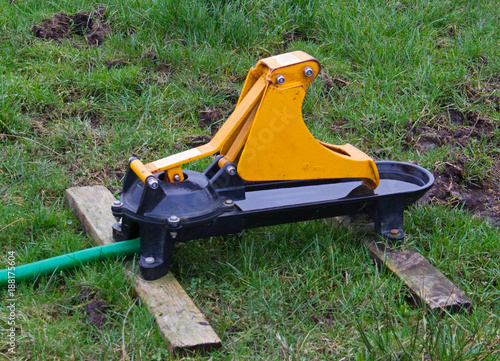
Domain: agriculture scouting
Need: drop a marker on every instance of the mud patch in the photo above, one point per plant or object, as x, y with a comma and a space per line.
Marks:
95, 308
449, 189
96, 313
92, 25
210, 118
334, 83
325, 320
197, 140
296, 35
452, 127
119, 63
149, 55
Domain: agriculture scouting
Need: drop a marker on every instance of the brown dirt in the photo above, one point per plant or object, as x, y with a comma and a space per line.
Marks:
334, 83
197, 140
451, 127
86, 294
325, 320
450, 189
457, 129
96, 313
116, 63
95, 308
149, 55
92, 25
209, 118
296, 35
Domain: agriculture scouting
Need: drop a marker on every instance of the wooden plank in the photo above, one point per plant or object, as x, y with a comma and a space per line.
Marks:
180, 321
426, 283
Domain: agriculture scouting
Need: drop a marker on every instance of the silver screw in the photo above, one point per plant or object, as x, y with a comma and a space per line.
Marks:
173, 235
173, 219
152, 182
228, 202
308, 71
117, 204
149, 260
231, 170
177, 177
280, 79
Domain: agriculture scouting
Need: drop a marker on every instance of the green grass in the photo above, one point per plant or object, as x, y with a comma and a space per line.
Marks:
300, 291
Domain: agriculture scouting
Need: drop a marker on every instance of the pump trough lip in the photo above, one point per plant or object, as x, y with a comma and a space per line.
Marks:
407, 179
274, 203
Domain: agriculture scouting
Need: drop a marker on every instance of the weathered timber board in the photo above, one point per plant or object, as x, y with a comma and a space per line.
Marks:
426, 283
180, 321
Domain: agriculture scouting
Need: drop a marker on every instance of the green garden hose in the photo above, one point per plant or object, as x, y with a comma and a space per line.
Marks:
68, 261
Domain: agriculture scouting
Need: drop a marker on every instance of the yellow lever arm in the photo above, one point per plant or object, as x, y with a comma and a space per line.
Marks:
234, 122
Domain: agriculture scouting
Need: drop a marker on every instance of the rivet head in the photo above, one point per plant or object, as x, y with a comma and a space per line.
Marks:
231, 170
177, 177
228, 202
280, 79
308, 71
173, 219
149, 260
117, 204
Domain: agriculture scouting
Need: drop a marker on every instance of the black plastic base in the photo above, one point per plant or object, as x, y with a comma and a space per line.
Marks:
219, 202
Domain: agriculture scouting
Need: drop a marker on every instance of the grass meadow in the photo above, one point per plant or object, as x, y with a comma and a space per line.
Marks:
415, 81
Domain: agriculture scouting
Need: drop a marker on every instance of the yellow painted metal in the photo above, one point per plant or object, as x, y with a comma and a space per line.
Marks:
175, 174
140, 169
225, 135
280, 147
266, 136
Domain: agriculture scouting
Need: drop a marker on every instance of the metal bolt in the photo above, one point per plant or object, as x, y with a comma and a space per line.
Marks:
280, 79
394, 232
149, 260
152, 182
308, 71
177, 177
117, 204
231, 170
173, 235
228, 202
173, 219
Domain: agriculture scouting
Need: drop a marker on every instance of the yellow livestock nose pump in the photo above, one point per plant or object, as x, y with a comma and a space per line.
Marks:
269, 170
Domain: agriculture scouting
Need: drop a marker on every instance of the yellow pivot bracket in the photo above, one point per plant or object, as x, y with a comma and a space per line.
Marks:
266, 136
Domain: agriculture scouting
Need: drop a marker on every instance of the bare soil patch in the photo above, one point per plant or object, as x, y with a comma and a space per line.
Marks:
452, 127
118, 63
96, 313
297, 35
331, 83
197, 140
450, 189
95, 308
92, 25
209, 118
458, 129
